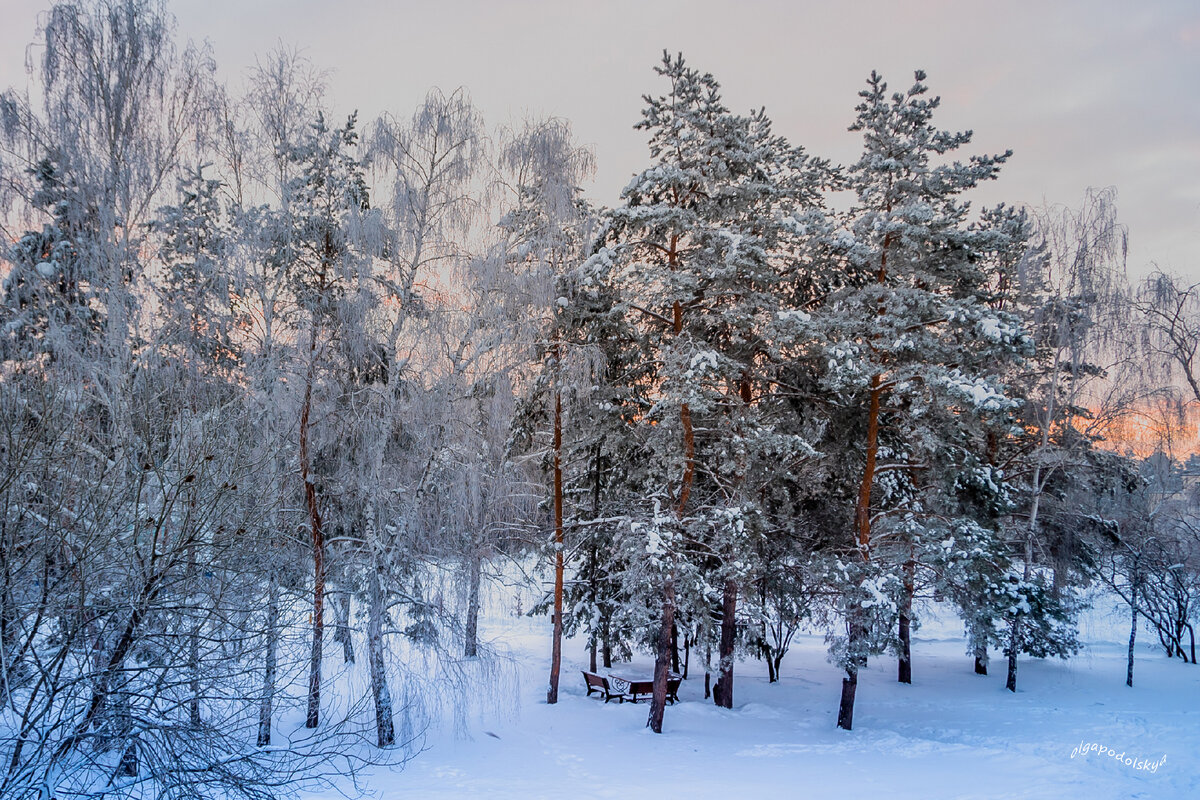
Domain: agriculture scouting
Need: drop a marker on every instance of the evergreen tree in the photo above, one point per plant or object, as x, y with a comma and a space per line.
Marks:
907, 354
703, 247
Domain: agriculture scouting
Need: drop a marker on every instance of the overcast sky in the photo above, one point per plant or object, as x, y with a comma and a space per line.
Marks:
1085, 93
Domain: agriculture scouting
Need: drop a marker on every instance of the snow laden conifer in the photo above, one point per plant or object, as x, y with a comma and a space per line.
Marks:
197, 307
702, 247
50, 291
907, 352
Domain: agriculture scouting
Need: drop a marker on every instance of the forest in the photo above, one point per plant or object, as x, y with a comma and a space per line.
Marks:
283, 392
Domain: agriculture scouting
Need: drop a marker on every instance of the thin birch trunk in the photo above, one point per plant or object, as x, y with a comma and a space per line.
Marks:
342, 632
556, 645
1014, 642
471, 636
384, 726
1133, 601
266, 704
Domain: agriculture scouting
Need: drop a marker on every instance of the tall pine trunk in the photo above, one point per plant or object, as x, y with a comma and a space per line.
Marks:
675, 647
662, 661
556, 646
854, 663
723, 696
904, 671
658, 698
862, 524
845, 719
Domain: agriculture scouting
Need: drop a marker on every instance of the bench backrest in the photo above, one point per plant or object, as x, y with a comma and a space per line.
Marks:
595, 680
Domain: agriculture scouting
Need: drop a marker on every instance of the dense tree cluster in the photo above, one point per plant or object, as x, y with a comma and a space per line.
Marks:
271, 381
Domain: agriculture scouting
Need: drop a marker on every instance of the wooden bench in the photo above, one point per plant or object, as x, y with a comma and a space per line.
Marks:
636, 688
599, 683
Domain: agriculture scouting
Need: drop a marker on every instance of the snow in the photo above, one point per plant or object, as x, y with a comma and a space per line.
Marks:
951, 734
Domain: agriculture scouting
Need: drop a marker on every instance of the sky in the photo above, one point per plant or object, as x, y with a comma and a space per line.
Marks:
1086, 94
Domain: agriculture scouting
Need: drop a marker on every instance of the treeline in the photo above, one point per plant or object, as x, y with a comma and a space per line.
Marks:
264, 371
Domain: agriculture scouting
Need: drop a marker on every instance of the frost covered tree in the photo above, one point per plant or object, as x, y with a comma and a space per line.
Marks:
701, 246
548, 233
428, 167
908, 351
322, 266
1070, 289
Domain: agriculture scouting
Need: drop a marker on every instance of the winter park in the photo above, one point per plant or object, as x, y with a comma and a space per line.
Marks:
657, 400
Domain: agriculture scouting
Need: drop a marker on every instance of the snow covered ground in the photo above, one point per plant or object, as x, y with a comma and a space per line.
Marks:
951, 734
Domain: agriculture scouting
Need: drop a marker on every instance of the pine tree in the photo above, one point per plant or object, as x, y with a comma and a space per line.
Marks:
908, 354
702, 246
48, 300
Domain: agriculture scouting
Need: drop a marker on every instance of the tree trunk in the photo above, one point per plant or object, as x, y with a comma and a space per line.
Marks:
981, 660
1132, 634
845, 719
607, 650
268, 687
1010, 682
687, 654
724, 694
471, 636
862, 526
1014, 643
313, 717
855, 634
675, 648
556, 646
194, 683
592, 656
193, 648
658, 698
8, 620
128, 766
341, 633
862, 508
384, 727
905, 665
